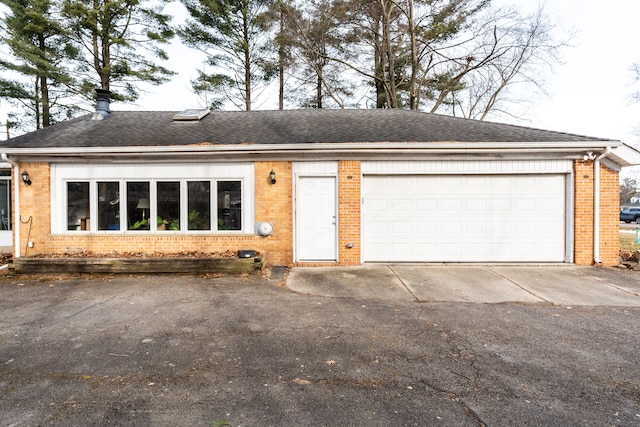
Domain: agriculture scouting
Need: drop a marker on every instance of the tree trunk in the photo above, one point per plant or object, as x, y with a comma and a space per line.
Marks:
389, 56
101, 53
281, 60
413, 95
319, 89
44, 88
378, 69
247, 62
36, 102
46, 113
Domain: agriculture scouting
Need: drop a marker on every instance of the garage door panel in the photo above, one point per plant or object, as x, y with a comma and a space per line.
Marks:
426, 205
451, 226
401, 227
525, 205
428, 227
378, 205
464, 218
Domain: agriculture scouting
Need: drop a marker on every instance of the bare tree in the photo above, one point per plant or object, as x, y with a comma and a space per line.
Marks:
453, 56
313, 36
628, 189
520, 47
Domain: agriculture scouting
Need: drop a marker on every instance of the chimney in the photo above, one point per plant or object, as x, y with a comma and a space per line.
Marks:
102, 105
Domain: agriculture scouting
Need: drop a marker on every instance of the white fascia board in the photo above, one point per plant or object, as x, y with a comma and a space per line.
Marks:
320, 148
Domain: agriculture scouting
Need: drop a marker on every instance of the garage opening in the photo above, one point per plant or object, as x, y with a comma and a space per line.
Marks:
464, 218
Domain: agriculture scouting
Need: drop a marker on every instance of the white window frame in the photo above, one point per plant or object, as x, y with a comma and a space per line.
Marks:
181, 172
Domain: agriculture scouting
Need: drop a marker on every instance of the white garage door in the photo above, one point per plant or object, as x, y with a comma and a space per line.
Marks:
473, 218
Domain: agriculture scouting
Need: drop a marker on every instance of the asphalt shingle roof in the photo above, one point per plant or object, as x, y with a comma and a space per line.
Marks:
157, 128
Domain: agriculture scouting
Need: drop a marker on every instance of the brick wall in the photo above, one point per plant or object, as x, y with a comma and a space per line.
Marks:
35, 213
273, 203
349, 181
584, 215
609, 216
583, 218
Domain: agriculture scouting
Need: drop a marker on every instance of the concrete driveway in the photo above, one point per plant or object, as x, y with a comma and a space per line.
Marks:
564, 285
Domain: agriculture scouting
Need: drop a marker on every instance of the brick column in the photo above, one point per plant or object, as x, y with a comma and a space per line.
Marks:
349, 203
609, 216
35, 208
584, 214
274, 203
583, 219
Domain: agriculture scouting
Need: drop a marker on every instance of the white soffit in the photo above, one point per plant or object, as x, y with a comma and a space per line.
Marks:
625, 155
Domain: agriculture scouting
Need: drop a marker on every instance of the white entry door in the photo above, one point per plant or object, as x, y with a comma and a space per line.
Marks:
6, 240
316, 219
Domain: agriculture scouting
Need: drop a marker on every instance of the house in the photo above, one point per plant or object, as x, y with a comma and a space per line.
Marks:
634, 202
316, 187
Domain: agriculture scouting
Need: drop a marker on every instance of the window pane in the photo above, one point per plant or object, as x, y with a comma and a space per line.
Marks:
229, 205
108, 206
78, 206
199, 201
138, 206
168, 206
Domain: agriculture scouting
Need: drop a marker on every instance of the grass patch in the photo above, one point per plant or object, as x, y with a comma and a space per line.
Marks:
628, 242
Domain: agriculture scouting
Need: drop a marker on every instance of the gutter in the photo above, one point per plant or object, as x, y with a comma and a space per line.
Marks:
596, 205
16, 215
309, 148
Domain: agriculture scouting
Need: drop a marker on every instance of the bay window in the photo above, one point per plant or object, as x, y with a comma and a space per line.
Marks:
211, 198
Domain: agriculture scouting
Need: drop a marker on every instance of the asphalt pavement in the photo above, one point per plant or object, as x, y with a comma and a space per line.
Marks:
386, 348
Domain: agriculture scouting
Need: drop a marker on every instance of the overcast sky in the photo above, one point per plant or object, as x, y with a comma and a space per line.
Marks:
589, 94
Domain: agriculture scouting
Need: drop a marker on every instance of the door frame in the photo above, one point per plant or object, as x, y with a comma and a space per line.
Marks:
6, 229
297, 218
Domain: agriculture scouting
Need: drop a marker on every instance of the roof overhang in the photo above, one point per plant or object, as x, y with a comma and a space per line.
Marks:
621, 153
625, 155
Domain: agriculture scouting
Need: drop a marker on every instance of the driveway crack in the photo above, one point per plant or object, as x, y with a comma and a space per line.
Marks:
473, 416
404, 284
90, 307
607, 283
520, 286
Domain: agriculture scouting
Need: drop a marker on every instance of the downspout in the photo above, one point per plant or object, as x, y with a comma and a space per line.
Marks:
16, 215
596, 205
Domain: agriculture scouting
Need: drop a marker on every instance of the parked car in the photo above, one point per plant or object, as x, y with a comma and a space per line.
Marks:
630, 214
